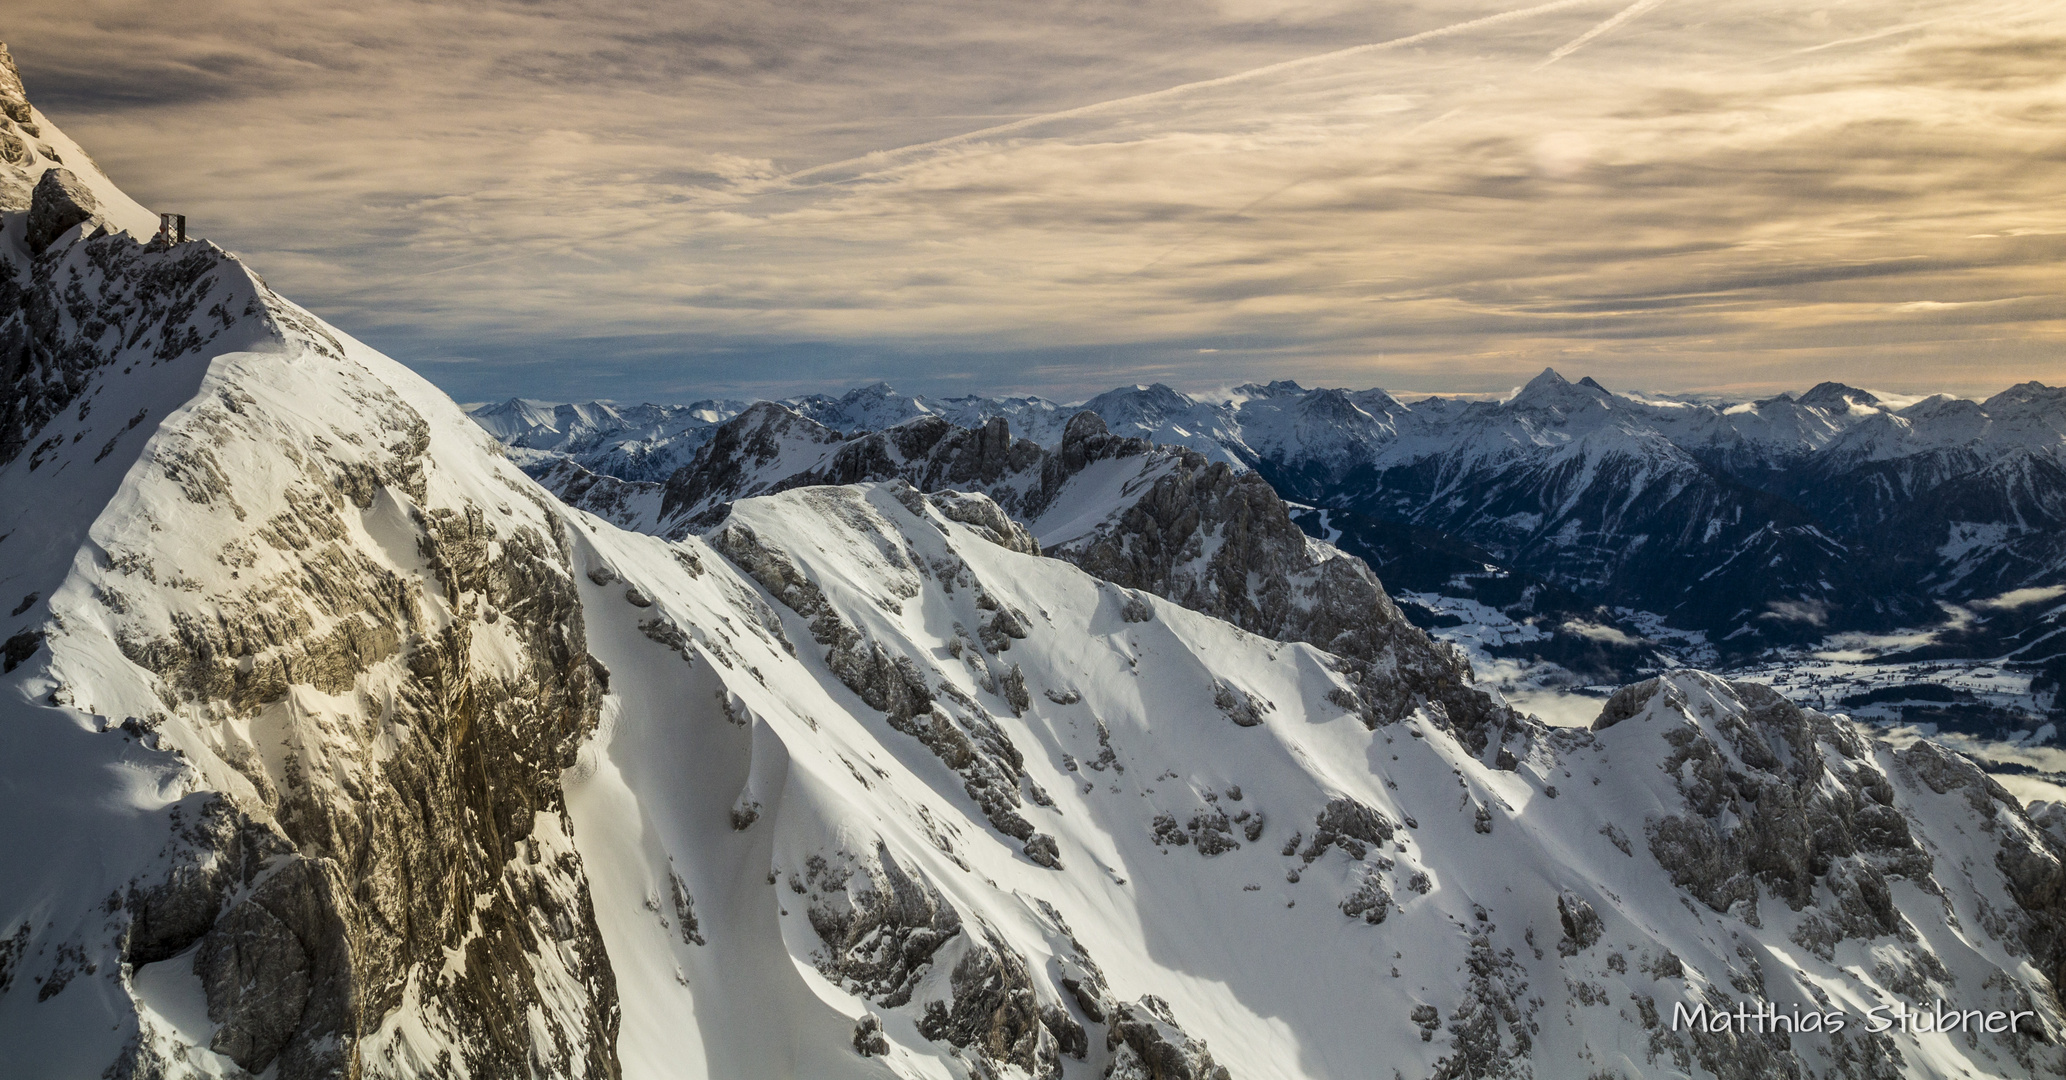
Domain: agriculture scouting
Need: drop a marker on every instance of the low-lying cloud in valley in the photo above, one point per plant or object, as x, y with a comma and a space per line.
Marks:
719, 198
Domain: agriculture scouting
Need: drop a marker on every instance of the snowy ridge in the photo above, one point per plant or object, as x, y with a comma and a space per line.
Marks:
1023, 696
1164, 520
256, 653
1159, 835
648, 442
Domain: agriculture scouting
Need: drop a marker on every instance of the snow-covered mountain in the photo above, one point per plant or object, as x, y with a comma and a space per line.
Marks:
1757, 522
635, 442
1160, 519
338, 747
649, 442
1752, 525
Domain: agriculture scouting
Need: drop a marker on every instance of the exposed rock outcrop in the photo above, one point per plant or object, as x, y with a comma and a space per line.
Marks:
1148, 1044
14, 100
60, 201
1804, 822
881, 923
995, 1012
432, 845
127, 303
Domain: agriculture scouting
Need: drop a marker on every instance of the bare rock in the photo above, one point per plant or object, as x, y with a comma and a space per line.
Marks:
1626, 702
1044, 852
1148, 1044
277, 969
1371, 901
1349, 825
982, 514
881, 924
1240, 706
1581, 924
61, 200
869, 1041
217, 849
995, 1012
14, 100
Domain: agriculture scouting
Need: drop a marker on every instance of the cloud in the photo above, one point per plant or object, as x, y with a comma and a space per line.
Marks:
1812, 612
658, 191
2016, 598
1598, 632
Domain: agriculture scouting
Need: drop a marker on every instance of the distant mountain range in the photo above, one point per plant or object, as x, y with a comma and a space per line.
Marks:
650, 442
1751, 525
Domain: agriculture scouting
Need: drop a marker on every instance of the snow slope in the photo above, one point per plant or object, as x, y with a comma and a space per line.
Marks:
1427, 878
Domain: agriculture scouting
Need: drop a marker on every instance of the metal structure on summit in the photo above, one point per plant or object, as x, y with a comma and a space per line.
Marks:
172, 228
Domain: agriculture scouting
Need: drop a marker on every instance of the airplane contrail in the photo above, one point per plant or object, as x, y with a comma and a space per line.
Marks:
1582, 40
471, 265
1874, 36
1562, 51
1223, 80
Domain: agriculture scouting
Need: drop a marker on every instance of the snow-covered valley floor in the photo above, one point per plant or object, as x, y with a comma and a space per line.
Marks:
1983, 708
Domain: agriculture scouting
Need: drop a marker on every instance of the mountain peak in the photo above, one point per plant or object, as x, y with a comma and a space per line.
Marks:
1272, 389
1837, 396
1552, 390
1940, 405
2026, 393
1155, 399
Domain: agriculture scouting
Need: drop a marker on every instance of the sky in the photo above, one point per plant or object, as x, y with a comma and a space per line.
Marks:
668, 200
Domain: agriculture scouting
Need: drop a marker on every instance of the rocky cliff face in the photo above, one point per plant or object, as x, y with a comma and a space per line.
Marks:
20, 147
355, 683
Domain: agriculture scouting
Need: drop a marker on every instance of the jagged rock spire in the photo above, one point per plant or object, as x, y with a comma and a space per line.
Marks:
14, 99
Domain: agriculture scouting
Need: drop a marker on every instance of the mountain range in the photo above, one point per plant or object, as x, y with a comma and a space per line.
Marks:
339, 746
1618, 533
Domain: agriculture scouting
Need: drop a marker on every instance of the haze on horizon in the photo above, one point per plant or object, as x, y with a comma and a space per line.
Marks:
663, 201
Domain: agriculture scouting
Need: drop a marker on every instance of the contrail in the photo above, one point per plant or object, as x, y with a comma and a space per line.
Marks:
1210, 229
471, 265
1874, 36
1562, 51
1223, 80
1582, 40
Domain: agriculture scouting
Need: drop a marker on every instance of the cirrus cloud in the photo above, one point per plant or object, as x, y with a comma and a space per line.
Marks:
650, 200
